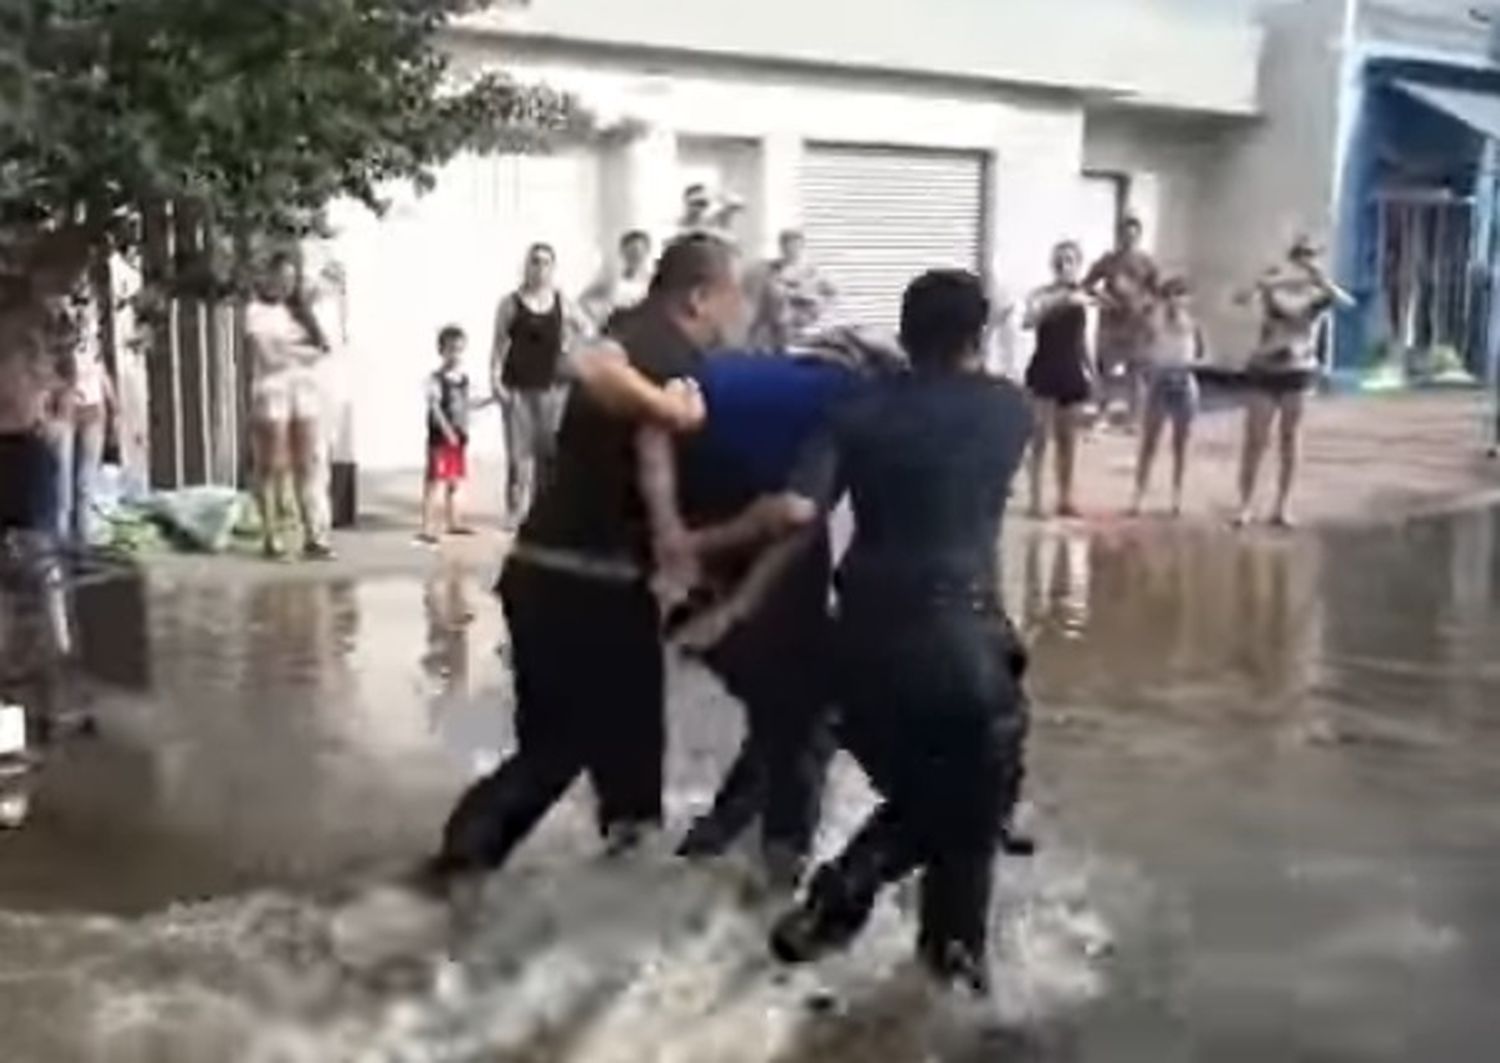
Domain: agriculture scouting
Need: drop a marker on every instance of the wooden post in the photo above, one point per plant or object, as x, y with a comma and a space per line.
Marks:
192, 343
160, 336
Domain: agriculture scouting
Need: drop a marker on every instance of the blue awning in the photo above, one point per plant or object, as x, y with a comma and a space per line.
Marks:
1478, 110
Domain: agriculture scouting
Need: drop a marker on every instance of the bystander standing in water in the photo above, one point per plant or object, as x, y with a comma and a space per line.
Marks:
1171, 388
1060, 376
1294, 299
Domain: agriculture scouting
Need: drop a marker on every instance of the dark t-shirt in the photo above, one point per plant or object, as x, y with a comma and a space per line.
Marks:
592, 501
927, 460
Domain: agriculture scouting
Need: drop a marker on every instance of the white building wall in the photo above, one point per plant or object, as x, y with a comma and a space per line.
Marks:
450, 255
1200, 55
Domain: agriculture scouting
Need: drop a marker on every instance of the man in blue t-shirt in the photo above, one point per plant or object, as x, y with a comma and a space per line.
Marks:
762, 410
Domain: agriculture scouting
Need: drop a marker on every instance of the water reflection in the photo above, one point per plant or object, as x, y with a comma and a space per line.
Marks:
445, 601
1135, 611
1266, 769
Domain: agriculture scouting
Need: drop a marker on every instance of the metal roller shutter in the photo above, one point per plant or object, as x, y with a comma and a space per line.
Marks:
877, 217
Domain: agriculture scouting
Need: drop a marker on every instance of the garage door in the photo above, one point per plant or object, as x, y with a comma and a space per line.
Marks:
877, 217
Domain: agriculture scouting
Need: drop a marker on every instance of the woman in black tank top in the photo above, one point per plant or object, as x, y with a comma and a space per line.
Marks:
1060, 377
536, 345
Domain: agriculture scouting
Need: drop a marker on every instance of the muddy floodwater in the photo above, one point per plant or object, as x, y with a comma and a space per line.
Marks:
1265, 776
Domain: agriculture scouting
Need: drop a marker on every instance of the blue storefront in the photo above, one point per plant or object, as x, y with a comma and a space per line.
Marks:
1419, 237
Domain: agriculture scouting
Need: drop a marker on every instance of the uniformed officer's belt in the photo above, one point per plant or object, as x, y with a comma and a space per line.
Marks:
577, 563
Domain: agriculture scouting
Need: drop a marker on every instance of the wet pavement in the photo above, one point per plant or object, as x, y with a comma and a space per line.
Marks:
1266, 776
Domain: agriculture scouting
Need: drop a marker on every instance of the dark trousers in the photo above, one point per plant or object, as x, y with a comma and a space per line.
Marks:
28, 483
776, 664
778, 776
934, 712
588, 668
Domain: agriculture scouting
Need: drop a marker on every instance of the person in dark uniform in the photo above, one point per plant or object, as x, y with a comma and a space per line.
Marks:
584, 624
535, 326
1060, 376
928, 665
761, 411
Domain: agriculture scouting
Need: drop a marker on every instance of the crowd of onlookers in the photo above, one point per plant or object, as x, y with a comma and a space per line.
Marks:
1114, 336
1144, 358
537, 324
1117, 338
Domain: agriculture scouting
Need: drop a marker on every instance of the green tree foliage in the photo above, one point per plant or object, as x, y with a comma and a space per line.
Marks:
258, 112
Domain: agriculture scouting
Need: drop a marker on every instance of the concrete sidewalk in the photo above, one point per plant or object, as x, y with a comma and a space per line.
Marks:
1365, 459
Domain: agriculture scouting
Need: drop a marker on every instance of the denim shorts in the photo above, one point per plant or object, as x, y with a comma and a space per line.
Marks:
1173, 393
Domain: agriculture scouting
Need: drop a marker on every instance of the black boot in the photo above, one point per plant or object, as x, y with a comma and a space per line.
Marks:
954, 966
705, 839
832, 914
1015, 844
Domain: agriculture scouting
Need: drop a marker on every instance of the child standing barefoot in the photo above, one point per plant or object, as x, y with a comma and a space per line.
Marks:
1171, 388
447, 435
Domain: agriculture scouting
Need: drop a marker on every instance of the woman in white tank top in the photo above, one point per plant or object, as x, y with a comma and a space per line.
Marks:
287, 351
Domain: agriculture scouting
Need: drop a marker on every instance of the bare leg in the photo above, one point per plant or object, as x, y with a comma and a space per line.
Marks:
427, 491
1065, 423
1291, 451
310, 473
1042, 414
429, 499
450, 507
1150, 438
1135, 393
1182, 434
1259, 411
272, 467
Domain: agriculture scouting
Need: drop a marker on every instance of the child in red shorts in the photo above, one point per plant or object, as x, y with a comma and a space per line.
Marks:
447, 434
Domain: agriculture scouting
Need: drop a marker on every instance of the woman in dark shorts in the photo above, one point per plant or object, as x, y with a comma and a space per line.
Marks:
1060, 377
1294, 298
928, 666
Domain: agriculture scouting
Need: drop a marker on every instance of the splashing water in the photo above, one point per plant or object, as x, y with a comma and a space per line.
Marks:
603, 962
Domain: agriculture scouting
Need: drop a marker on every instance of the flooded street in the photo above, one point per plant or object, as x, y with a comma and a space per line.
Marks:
1265, 775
